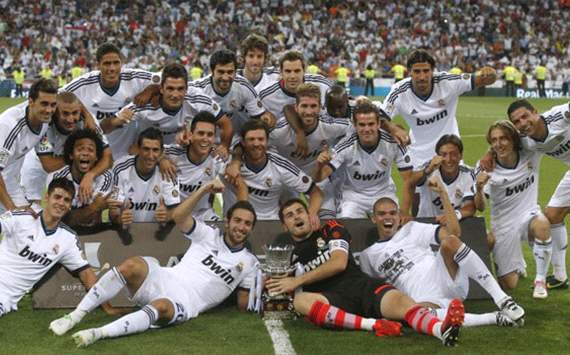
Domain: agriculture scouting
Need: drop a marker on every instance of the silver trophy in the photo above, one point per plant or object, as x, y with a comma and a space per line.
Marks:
277, 265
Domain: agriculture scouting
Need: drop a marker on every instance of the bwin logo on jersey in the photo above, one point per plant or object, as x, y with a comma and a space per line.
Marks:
224, 274
41, 259
101, 115
563, 148
433, 119
520, 187
189, 187
143, 206
369, 177
258, 192
316, 262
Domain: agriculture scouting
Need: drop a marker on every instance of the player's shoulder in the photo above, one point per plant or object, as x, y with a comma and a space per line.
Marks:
282, 163
244, 84
465, 169
271, 71
85, 80
317, 79
333, 229
557, 115
275, 87
399, 89
64, 172
346, 142
328, 120
14, 115
387, 138
174, 150
282, 124
132, 74
67, 231
201, 83
124, 163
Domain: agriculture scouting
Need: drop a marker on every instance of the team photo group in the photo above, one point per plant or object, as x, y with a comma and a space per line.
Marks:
251, 142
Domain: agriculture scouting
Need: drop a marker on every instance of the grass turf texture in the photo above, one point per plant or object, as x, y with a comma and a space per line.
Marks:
226, 331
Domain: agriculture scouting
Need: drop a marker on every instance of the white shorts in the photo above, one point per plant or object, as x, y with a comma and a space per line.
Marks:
11, 176
561, 197
33, 179
161, 282
507, 253
434, 284
8, 303
359, 206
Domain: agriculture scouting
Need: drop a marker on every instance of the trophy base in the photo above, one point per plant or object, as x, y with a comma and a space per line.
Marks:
278, 309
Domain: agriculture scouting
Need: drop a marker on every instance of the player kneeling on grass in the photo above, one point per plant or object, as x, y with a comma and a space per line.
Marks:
512, 188
32, 245
403, 257
172, 295
336, 294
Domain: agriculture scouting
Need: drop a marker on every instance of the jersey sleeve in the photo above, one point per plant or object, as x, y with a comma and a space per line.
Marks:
366, 263
250, 274
251, 100
424, 234
201, 231
337, 237
201, 102
104, 183
293, 177
457, 84
390, 103
403, 159
170, 192
73, 259
468, 191
6, 148
279, 133
341, 153
8, 224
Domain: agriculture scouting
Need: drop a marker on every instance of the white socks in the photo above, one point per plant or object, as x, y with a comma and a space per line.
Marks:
559, 237
542, 251
135, 322
108, 286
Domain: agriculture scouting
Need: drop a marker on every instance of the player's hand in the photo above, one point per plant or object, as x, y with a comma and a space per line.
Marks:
487, 74
269, 119
433, 165
161, 212
400, 135
216, 186
301, 145
436, 185
481, 180
124, 117
283, 285
441, 220
222, 152
86, 188
324, 157
315, 221
182, 138
127, 217
232, 173
150, 94
167, 169
87, 117
487, 162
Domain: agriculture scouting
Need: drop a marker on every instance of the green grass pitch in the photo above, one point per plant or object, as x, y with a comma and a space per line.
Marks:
226, 331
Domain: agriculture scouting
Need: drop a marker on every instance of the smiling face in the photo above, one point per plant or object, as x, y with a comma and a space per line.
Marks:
202, 138
68, 115
58, 203
308, 109
526, 121
501, 144
254, 60
173, 91
451, 158
223, 77
367, 125
110, 67
238, 227
292, 73
296, 220
387, 218
149, 155
255, 145
422, 74
42, 109
84, 155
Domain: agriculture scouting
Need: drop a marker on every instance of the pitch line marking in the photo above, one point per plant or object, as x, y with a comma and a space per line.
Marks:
279, 336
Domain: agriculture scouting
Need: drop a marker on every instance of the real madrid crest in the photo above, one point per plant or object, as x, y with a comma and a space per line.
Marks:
268, 182
458, 193
384, 161
466, 76
156, 189
174, 193
321, 243
208, 171
441, 103
239, 267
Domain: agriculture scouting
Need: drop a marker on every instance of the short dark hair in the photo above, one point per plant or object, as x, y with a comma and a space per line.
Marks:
150, 133
254, 41
519, 104
509, 129
62, 183
253, 125
420, 56
384, 200
291, 56
290, 203
308, 90
107, 48
242, 205
175, 71
202, 116
449, 139
222, 57
47, 86
81, 134
67, 97
364, 108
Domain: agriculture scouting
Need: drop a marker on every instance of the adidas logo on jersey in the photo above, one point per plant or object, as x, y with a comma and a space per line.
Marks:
368, 177
224, 274
520, 187
413, 112
433, 119
41, 259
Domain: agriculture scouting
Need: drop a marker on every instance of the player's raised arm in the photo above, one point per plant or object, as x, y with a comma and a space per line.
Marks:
482, 179
485, 76
182, 214
452, 223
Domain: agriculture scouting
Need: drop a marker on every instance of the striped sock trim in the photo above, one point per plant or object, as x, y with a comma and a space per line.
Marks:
462, 253
119, 276
151, 312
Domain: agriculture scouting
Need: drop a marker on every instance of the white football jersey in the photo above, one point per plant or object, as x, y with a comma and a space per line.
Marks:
101, 185
211, 269
459, 190
28, 251
266, 183
368, 173
513, 191
171, 122
192, 175
103, 103
401, 260
275, 97
16, 139
241, 97
326, 134
142, 194
431, 117
54, 140
557, 142
269, 76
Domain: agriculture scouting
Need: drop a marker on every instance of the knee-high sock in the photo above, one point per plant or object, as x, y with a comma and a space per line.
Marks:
423, 321
135, 322
476, 269
328, 316
107, 287
559, 237
471, 319
542, 251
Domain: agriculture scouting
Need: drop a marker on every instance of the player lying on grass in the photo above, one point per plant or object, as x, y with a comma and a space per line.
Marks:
32, 245
336, 294
172, 295
404, 258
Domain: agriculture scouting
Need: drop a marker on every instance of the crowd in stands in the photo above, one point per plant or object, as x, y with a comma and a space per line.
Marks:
465, 33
